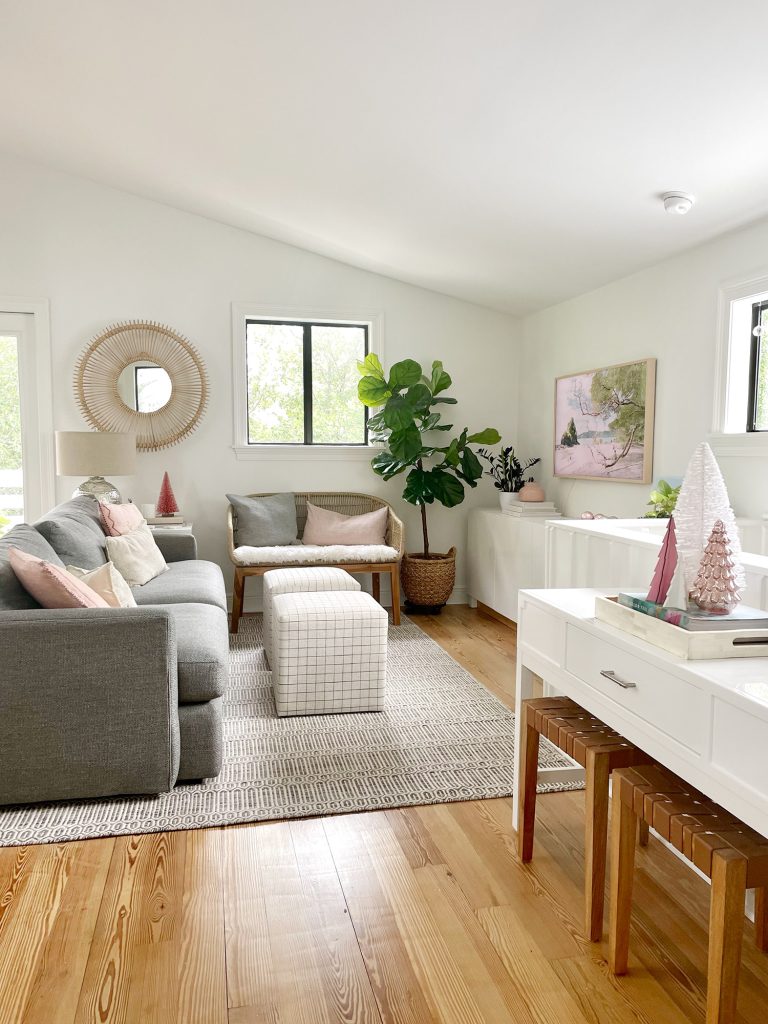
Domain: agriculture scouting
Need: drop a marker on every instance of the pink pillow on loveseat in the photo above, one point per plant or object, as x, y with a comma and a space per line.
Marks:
326, 527
50, 585
118, 520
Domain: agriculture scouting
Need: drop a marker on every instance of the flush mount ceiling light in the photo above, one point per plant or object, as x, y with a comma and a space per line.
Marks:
678, 202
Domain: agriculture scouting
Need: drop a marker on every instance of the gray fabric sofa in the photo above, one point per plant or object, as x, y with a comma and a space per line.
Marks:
101, 702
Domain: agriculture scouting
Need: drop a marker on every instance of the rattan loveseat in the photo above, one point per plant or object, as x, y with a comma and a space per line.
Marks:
247, 563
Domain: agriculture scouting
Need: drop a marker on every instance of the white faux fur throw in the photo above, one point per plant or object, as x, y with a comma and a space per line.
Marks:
312, 554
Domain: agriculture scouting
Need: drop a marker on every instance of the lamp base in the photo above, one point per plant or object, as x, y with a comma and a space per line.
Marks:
99, 488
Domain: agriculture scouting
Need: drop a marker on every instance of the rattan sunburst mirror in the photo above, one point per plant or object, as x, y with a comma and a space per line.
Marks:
145, 379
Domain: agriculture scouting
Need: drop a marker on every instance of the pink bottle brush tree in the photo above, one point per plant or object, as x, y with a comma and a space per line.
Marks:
166, 502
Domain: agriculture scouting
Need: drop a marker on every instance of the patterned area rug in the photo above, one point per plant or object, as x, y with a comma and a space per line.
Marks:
443, 737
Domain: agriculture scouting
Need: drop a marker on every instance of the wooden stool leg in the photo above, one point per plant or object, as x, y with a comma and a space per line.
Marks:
376, 586
623, 829
726, 925
526, 812
761, 920
237, 600
395, 586
642, 832
595, 842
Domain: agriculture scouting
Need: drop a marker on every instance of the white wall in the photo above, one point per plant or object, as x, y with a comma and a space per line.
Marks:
101, 255
669, 311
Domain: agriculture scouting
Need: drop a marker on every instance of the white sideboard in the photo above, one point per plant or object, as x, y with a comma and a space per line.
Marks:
620, 554
705, 720
505, 555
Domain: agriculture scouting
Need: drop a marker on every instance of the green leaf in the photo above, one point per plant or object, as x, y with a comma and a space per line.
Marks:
444, 401
372, 391
404, 374
488, 436
470, 466
376, 422
417, 489
398, 413
371, 367
386, 465
445, 487
440, 379
405, 444
452, 453
419, 397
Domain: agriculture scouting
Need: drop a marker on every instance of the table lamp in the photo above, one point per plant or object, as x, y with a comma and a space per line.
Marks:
94, 454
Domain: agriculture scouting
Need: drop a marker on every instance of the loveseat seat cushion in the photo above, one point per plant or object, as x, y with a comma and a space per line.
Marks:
74, 531
202, 645
316, 554
13, 597
187, 582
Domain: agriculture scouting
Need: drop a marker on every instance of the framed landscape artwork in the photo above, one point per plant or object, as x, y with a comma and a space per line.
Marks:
604, 423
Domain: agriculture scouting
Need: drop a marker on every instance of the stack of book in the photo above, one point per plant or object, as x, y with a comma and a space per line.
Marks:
532, 510
694, 619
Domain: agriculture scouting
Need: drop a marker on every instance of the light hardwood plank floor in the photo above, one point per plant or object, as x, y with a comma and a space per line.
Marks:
406, 916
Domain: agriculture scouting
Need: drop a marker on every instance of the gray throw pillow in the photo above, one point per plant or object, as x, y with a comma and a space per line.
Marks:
264, 522
74, 531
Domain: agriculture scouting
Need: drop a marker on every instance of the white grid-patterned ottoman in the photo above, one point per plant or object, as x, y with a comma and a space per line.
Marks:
307, 580
330, 653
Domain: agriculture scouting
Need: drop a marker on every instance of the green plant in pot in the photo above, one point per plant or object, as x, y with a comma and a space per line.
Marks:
507, 472
409, 425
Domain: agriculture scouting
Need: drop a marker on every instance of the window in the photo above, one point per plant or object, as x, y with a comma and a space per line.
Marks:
26, 457
153, 388
757, 398
301, 382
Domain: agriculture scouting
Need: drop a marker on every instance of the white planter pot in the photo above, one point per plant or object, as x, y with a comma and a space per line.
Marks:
506, 499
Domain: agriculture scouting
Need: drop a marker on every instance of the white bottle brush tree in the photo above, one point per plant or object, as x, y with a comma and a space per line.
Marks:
715, 588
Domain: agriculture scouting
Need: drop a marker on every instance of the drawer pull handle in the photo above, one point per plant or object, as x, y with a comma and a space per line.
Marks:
625, 684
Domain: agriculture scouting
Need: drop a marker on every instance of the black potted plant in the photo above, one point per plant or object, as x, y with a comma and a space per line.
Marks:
507, 472
409, 425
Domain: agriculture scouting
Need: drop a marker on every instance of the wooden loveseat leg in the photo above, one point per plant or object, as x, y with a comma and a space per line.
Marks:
395, 587
238, 588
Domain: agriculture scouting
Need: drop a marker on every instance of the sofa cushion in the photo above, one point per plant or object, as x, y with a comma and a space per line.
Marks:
13, 597
186, 582
74, 531
202, 645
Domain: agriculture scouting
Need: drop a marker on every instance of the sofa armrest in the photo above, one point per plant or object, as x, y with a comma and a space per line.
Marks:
176, 546
88, 703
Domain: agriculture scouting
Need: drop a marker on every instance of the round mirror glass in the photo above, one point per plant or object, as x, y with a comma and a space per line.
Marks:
144, 387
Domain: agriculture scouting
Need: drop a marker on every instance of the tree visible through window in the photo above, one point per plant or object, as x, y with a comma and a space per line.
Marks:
757, 415
11, 476
302, 382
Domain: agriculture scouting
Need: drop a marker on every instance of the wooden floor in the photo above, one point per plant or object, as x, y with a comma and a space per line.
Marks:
415, 915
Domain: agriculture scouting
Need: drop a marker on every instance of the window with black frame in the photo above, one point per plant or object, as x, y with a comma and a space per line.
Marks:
301, 379
757, 404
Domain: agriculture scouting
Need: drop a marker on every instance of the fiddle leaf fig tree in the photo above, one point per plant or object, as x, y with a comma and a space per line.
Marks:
411, 428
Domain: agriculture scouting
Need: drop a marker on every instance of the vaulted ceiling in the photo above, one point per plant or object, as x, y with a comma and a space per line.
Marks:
509, 152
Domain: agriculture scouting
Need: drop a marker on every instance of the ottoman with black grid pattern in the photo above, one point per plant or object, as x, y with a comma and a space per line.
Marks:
330, 653
304, 580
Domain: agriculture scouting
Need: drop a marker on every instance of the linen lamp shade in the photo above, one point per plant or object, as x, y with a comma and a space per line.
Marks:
93, 454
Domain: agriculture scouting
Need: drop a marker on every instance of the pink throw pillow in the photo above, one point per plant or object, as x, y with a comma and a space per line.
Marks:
326, 527
50, 585
118, 520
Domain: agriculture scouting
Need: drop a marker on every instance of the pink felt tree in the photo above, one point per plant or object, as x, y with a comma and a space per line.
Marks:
166, 502
715, 588
665, 566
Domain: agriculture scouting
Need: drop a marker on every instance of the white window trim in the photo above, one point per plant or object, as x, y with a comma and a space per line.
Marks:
37, 394
241, 311
742, 443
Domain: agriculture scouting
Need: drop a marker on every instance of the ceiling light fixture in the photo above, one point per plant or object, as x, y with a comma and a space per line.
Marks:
678, 202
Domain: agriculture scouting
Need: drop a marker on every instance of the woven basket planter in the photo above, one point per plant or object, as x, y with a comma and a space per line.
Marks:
428, 582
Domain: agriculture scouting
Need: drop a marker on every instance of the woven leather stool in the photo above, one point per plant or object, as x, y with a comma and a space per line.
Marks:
721, 846
600, 750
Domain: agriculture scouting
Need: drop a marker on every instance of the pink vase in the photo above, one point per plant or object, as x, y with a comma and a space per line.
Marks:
532, 492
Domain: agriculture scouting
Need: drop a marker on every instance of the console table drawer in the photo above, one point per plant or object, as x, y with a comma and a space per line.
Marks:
664, 701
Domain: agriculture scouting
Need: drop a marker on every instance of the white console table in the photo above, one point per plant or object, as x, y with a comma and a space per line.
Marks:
707, 721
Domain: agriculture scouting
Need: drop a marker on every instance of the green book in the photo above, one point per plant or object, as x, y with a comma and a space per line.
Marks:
696, 620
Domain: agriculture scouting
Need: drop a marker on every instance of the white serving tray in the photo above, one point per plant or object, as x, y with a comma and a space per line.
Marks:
702, 645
